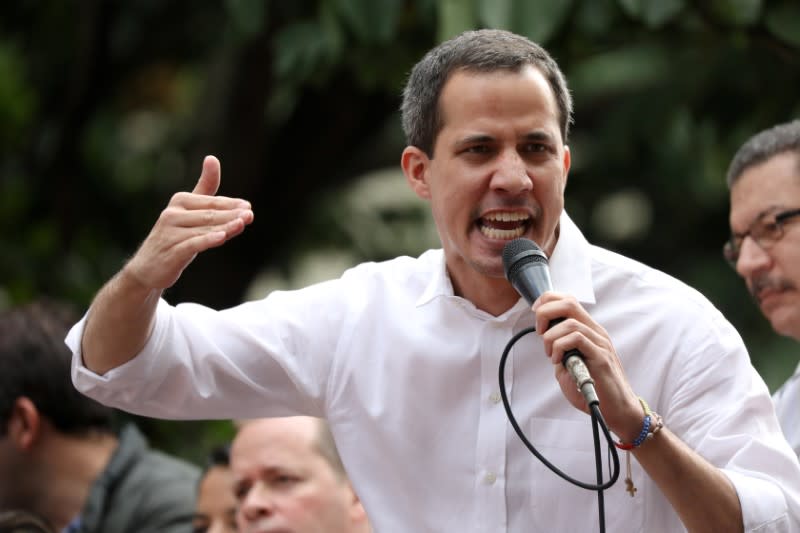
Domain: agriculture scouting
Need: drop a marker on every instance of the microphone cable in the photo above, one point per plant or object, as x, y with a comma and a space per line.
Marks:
597, 420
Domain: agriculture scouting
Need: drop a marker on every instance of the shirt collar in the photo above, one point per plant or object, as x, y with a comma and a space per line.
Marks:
570, 267
439, 284
571, 262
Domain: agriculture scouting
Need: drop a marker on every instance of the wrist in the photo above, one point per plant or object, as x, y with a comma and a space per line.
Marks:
634, 421
648, 425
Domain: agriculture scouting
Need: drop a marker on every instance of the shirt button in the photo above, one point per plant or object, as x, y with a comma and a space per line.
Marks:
495, 397
489, 478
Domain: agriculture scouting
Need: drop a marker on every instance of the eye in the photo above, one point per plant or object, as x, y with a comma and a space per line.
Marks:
284, 479
478, 149
240, 490
768, 231
534, 148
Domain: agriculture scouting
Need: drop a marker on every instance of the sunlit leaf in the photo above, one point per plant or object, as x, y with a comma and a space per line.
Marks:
540, 20
623, 69
737, 12
783, 21
654, 13
595, 16
455, 16
632, 7
300, 50
247, 16
495, 13
372, 21
17, 100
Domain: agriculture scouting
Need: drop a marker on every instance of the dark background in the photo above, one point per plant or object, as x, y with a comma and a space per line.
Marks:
107, 107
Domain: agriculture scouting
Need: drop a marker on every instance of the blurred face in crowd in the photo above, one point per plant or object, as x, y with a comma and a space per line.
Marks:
771, 272
498, 170
216, 504
284, 484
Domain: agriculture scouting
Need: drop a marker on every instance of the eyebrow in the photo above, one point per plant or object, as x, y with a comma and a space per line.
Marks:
484, 138
758, 218
474, 139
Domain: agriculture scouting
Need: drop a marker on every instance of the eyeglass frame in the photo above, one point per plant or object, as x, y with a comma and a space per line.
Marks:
765, 235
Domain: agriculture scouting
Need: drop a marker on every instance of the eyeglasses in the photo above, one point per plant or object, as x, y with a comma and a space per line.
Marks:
765, 233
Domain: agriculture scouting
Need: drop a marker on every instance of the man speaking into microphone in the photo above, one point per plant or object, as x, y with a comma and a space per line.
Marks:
401, 357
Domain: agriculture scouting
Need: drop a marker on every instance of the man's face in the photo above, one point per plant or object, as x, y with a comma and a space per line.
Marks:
498, 171
773, 275
283, 484
216, 507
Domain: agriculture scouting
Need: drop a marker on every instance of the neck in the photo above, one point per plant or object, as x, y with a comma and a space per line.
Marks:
494, 296
71, 464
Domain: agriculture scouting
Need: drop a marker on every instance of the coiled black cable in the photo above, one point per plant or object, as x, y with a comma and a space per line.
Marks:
597, 420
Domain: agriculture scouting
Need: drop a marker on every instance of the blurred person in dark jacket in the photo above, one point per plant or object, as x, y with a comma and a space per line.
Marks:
764, 247
59, 455
215, 511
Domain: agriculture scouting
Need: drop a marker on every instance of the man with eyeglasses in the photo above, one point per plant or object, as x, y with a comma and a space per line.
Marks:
764, 247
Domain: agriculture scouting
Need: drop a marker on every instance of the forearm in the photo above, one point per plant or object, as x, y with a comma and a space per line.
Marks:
701, 494
119, 322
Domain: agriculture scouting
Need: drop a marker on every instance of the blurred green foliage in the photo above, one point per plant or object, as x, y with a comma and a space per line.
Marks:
106, 108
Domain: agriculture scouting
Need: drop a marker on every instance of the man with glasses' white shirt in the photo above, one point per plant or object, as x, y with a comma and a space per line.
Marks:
764, 248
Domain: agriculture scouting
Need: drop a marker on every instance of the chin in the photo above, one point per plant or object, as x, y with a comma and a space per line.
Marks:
786, 322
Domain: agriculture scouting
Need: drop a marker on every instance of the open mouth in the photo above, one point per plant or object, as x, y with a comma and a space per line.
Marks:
504, 225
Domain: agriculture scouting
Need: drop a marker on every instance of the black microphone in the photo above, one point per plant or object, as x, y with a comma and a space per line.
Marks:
526, 268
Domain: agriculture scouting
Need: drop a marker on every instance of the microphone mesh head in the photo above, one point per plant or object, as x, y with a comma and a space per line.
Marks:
519, 253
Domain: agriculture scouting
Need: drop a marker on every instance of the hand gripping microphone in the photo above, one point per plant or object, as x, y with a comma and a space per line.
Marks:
526, 268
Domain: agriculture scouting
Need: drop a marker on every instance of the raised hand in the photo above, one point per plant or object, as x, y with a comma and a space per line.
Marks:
191, 223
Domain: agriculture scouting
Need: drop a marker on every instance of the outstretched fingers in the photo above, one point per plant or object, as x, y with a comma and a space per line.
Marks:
191, 223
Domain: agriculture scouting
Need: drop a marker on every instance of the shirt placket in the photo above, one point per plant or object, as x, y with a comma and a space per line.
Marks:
490, 467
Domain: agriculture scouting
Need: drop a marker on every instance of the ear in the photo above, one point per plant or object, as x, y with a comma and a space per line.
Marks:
567, 163
415, 164
24, 424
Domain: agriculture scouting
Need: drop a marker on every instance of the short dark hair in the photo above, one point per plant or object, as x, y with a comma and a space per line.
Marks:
219, 456
473, 51
763, 146
35, 363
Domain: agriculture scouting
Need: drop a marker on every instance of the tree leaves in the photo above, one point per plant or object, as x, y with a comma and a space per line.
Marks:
371, 21
654, 13
783, 21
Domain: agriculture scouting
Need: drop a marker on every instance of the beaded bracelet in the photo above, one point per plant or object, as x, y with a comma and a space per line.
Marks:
652, 424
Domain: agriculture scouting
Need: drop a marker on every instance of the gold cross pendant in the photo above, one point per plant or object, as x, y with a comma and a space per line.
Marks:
630, 487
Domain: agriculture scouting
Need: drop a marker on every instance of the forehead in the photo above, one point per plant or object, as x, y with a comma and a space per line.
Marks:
272, 443
471, 98
774, 183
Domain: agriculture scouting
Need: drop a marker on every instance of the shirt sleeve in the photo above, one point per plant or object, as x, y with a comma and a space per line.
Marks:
726, 415
264, 358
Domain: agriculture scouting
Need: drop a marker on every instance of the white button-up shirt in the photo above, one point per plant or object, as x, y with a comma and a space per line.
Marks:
406, 373
787, 406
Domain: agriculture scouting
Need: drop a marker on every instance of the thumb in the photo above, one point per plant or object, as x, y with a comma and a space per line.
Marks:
208, 184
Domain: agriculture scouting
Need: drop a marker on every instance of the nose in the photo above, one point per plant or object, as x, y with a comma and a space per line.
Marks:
256, 505
752, 258
511, 174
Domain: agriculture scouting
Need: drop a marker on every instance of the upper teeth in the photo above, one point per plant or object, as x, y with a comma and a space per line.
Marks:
506, 216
